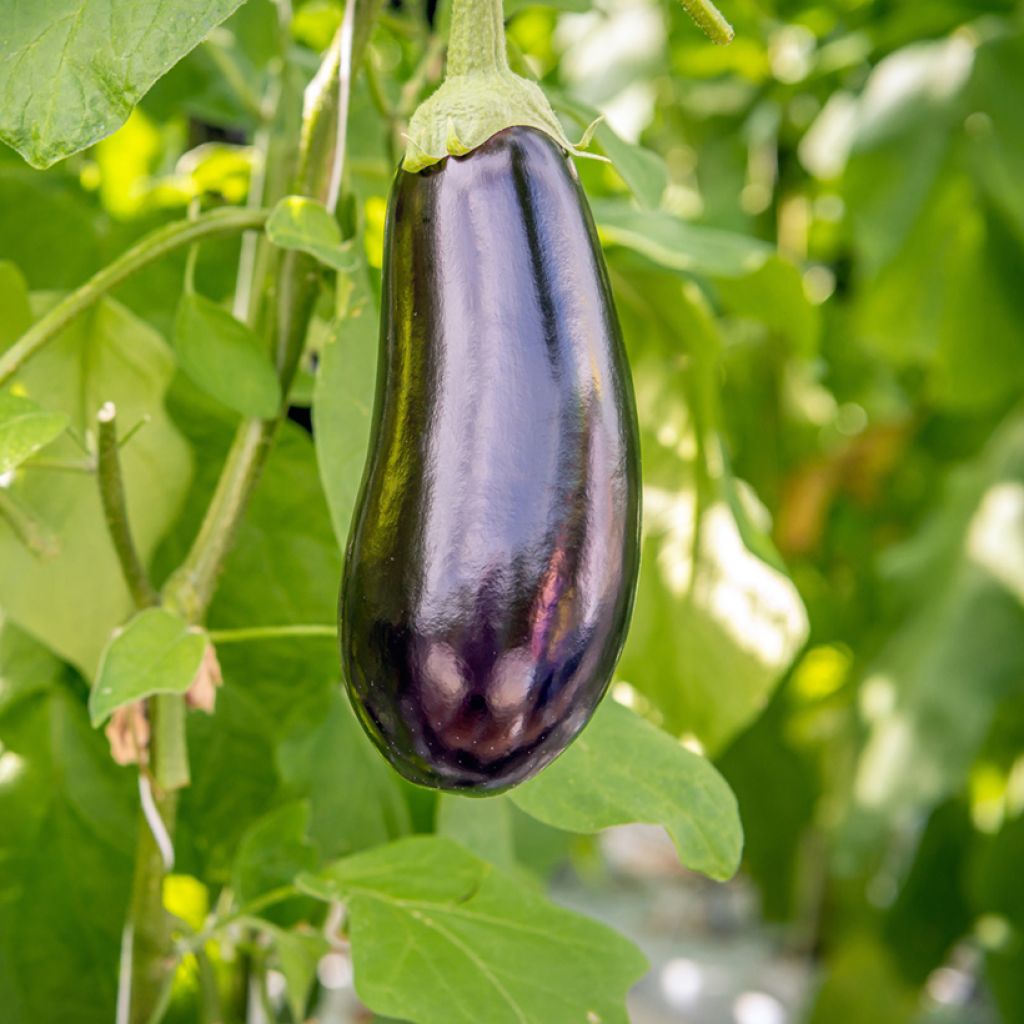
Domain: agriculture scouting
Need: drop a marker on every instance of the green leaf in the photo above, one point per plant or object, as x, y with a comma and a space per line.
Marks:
306, 225
71, 70
225, 358
484, 827
14, 302
773, 296
66, 846
643, 170
343, 404
156, 652
675, 244
273, 851
439, 936
623, 769
74, 601
930, 695
24, 429
327, 758
708, 644
298, 955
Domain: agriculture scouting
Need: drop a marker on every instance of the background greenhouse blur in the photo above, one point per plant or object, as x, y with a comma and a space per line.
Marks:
818, 263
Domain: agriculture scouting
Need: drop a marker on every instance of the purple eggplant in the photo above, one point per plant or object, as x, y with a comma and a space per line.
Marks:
493, 556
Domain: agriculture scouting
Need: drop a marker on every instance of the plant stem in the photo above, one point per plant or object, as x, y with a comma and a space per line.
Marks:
710, 20
190, 589
165, 239
477, 39
115, 509
235, 636
149, 923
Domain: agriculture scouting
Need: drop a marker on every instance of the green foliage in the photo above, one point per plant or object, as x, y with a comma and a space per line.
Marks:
307, 226
75, 599
65, 86
814, 239
224, 358
439, 933
24, 429
595, 785
156, 652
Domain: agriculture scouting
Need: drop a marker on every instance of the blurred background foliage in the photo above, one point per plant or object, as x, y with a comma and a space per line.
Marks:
816, 241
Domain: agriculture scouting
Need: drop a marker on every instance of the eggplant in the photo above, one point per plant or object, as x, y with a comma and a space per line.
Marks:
493, 556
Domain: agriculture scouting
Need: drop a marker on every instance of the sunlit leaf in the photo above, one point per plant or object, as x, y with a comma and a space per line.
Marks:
71, 70
24, 429
306, 225
73, 601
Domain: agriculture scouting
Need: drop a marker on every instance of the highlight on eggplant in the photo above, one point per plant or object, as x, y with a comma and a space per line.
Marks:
493, 556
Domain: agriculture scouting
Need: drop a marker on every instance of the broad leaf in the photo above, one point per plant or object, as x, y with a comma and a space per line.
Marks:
710, 641
74, 601
623, 769
156, 652
343, 404
441, 937
71, 70
306, 225
484, 827
273, 852
66, 846
24, 429
677, 245
225, 358
327, 758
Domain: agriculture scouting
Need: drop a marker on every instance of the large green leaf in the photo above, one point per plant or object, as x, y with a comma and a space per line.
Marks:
343, 403
65, 846
156, 652
676, 244
327, 758
708, 643
484, 827
72, 602
622, 769
441, 936
71, 70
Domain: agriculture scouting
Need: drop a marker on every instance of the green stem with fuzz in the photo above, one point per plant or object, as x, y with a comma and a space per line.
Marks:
115, 509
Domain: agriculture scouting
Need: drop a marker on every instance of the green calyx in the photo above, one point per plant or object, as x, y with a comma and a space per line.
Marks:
481, 95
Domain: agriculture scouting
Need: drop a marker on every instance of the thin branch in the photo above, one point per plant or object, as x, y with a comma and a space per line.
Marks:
165, 239
235, 636
115, 509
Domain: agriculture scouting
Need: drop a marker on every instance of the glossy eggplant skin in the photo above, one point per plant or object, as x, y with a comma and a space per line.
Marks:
493, 556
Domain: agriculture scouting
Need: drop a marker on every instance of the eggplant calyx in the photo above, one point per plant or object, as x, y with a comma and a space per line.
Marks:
469, 108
